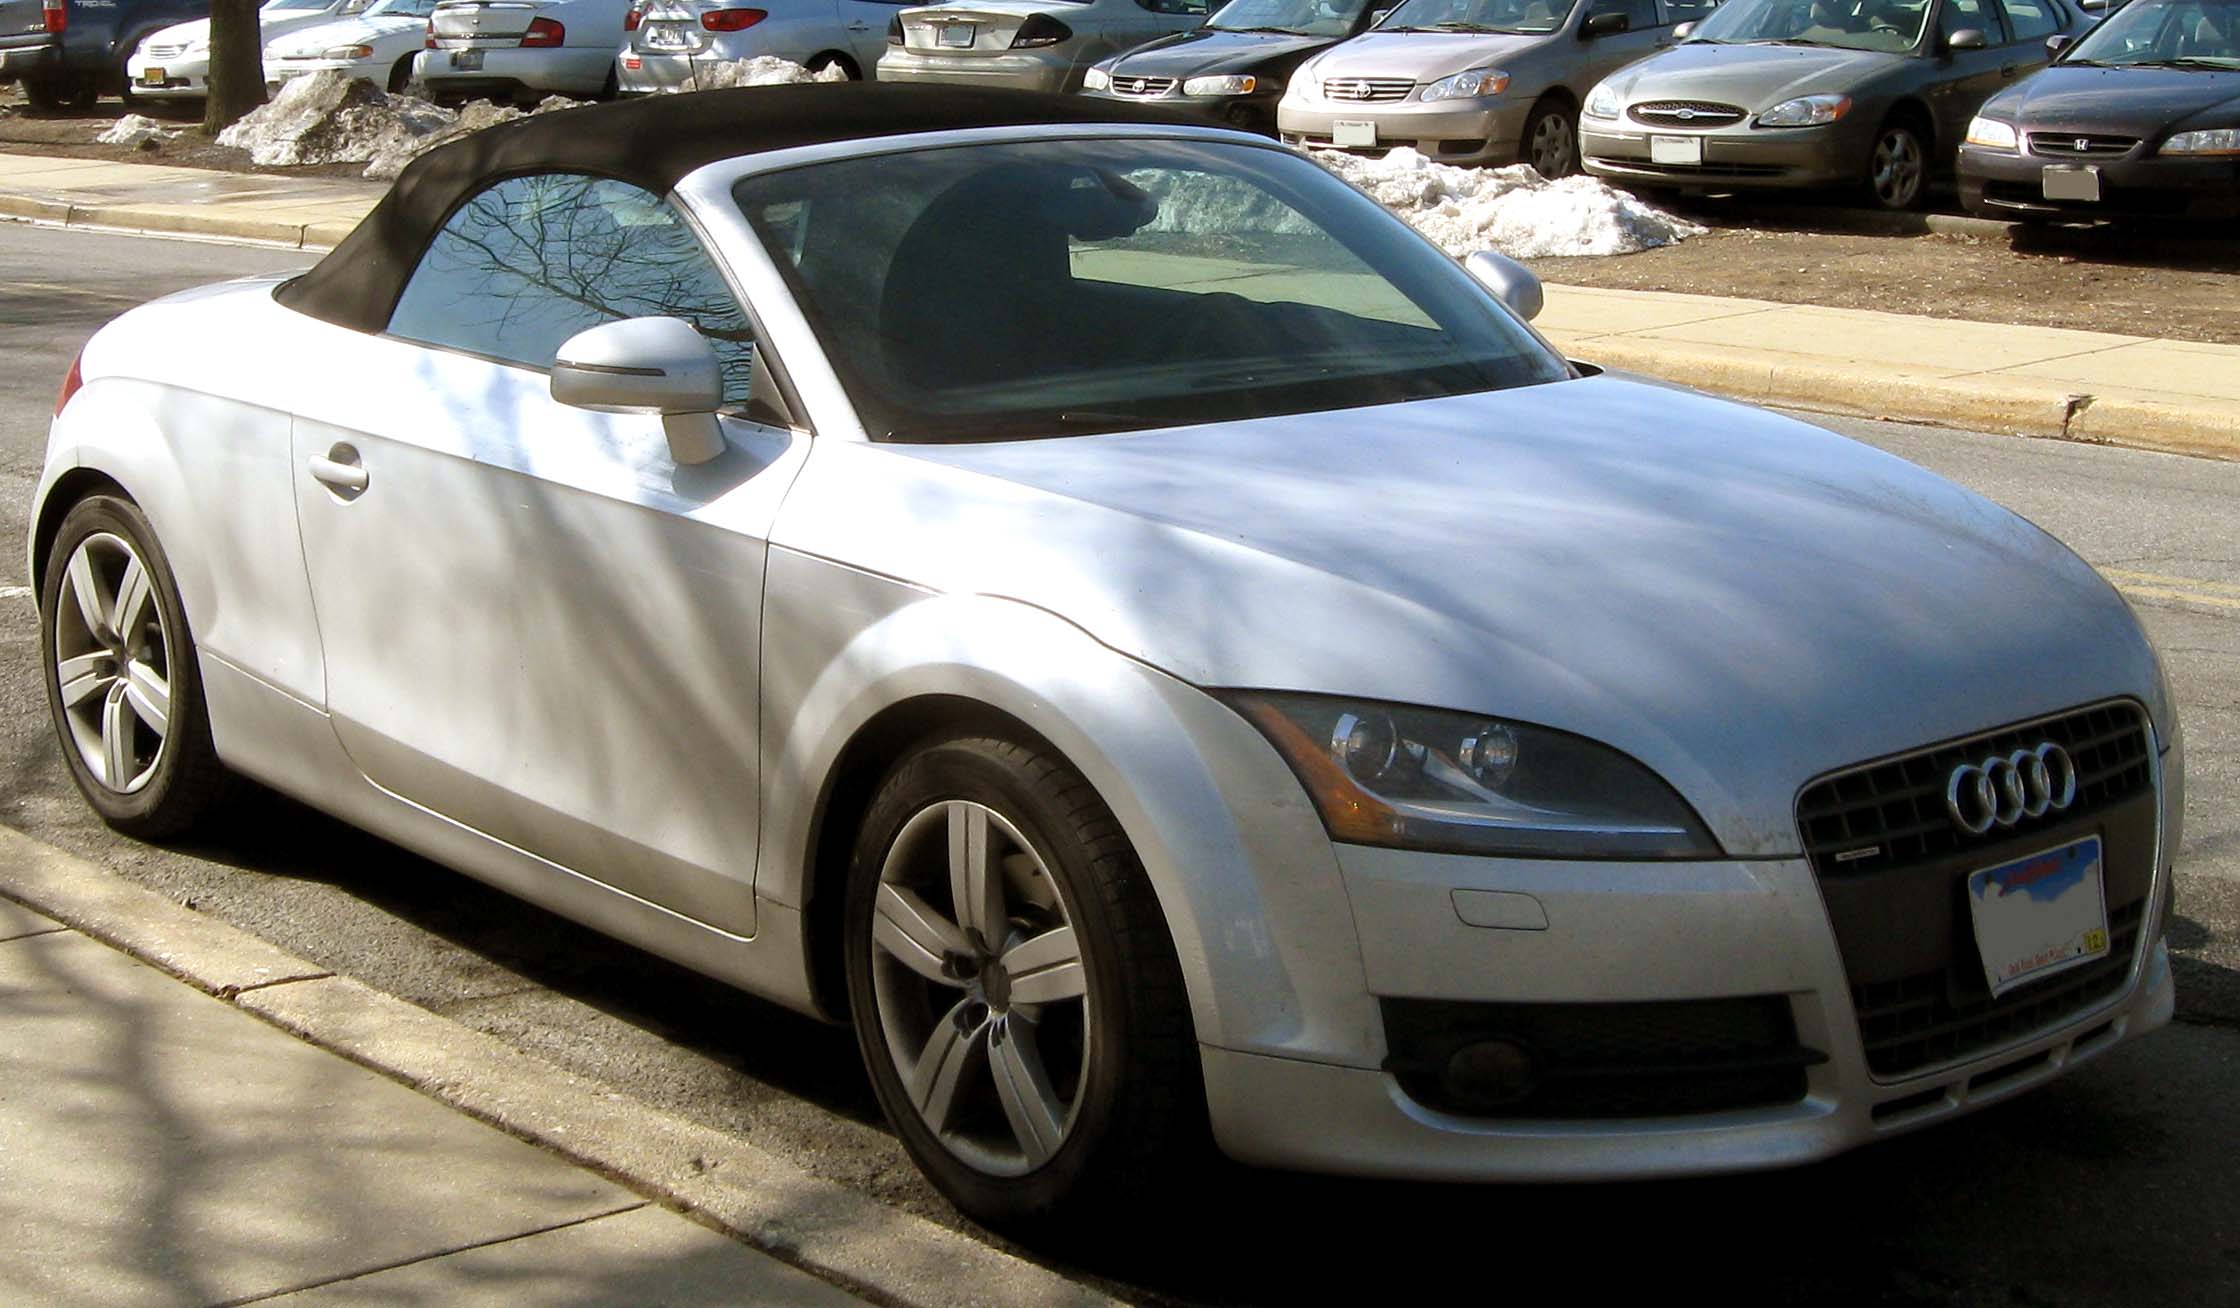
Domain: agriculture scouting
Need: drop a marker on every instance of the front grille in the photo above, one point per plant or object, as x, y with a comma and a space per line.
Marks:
1655, 1059
1686, 113
1896, 808
1144, 86
1367, 90
2080, 145
1709, 168
1916, 1022
162, 51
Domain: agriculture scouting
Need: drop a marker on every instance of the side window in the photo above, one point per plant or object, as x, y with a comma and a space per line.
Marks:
1641, 15
2032, 20
1689, 11
1960, 15
1175, 6
533, 260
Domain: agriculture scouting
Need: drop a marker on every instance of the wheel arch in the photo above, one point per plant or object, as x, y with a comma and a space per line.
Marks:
1913, 112
71, 486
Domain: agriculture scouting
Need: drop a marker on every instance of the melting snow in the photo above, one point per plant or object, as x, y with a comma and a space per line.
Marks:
136, 129
329, 117
762, 70
1514, 210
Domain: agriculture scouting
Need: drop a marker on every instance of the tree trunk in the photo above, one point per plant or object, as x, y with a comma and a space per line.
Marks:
236, 63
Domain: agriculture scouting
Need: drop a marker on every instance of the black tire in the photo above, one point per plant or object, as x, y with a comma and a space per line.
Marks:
67, 93
400, 76
1136, 1112
1898, 166
1551, 139
184, 781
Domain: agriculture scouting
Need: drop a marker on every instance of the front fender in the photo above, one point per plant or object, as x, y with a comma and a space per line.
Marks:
1236, 855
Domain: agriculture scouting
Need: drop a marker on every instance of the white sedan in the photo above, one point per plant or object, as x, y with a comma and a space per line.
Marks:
377, 45
174, 63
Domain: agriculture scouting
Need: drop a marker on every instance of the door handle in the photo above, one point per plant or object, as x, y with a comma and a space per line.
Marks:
859, 27
339, 471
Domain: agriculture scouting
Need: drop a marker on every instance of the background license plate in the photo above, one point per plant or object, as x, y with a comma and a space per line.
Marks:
469, 59
1352, 133
151, 77
2070, 183
957, 36
2039, 914
1676, 149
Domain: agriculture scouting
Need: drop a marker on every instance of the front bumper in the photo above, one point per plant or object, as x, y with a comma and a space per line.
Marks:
510, 70
278, 73
177, 79
1253, 113
2007, 184
1456, 132
1736, 157
1018, 72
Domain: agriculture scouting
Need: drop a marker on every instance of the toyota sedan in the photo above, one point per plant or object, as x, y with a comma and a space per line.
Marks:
1109, 611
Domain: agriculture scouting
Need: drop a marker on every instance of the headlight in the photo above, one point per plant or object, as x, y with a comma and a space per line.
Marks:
2217, 140
1602, 101
1096, 79
1226, 84
197, 45
1991, 134
348, 52
1475, 84
1806, 111
1413, 778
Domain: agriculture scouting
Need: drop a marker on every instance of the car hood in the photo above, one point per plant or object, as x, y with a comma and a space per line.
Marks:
1739, 600
1751, 76
1189, 54
2118, 101
187, 33
1421, 56
349, 31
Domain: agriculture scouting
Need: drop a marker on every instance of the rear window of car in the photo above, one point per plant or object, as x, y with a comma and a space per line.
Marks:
995, 292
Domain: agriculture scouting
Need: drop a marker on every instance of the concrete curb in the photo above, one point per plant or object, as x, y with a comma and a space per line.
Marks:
1872, 222
173, 220
822, 1227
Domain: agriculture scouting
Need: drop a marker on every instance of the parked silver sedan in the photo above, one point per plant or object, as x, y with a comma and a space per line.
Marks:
670, 44
1114, 614
1028, 45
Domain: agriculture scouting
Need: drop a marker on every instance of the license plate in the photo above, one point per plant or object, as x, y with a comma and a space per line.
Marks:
2070, 182
1350, 133
1676, 149
957, 36
2039, 914
151, 77
468, 59
667, 36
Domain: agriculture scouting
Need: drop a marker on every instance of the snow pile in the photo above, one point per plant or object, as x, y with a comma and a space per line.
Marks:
762, 70
136, 129
330, 117
1514, 210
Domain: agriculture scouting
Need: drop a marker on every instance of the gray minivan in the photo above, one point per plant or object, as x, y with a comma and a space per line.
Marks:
1475, 81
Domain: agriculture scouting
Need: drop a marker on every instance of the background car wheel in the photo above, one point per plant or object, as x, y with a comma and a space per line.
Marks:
1551, 140
828, 59
400, 76
70, 92
1014, 987
1898, 169
123, 684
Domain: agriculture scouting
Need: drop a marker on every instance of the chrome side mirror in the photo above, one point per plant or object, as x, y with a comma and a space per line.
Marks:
647, 365
2093, 6
1680, 31
1967, 38
1511, 282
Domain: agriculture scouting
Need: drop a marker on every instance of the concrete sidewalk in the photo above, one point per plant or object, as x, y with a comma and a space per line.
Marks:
2112, 389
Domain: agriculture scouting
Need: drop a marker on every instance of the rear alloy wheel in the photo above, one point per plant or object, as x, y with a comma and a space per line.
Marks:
1014, 990
1551, 140
122, 683
1898, 170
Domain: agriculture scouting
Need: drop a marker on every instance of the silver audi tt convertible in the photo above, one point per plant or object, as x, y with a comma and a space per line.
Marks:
1100, 605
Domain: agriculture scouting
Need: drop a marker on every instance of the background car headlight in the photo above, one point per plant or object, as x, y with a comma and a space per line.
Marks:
1806, 111
1096, 79
1415, 778
1468, 86
2216, 140
1991, 134
1225, 84
348, 52
1602, 101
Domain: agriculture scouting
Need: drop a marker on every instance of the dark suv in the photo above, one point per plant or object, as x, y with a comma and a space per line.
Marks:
67, 52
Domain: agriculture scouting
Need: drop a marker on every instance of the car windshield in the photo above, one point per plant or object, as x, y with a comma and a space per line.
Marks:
1893, 26
1000, 292
1511, 16
1305, 17
299, 6
400, 9
2165, 34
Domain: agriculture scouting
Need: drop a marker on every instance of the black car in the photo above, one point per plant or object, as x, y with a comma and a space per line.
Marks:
2139, 118
1235, 65
67, 52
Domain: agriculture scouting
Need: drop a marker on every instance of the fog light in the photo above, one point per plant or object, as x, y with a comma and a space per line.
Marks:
1489, 1074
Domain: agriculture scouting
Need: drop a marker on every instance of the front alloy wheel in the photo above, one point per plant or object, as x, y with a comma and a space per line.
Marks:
1898, 173
1551, 142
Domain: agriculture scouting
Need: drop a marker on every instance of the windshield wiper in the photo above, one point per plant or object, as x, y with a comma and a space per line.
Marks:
1460, 27
1279, 31
1781, 40
2220, 65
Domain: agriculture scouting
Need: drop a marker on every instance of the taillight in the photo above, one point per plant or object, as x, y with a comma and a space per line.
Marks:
894, 30
430, 42
732, 20
632, 18
543, 34
57, 17
1040, 29
71, 381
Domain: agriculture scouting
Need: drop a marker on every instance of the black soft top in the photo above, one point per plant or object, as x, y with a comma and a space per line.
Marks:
650, 143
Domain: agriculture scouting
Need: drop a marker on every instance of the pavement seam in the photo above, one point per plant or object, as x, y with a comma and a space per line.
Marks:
416, 1259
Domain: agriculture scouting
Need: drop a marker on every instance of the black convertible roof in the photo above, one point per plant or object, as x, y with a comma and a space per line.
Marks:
651, 143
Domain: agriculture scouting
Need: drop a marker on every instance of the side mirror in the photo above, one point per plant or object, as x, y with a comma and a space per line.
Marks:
647, 365
1511, 282
2057, 43
1967, 38
1377, 17
1680, 32
1605, 25
2093, 6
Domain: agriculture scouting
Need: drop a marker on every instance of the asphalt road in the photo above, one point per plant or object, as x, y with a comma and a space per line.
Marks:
2112, 1186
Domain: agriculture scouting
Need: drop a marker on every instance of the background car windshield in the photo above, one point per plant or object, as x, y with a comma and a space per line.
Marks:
401, 9
1306, 17
2206, 32
1888, 25
277, 6
1477, 16
996, 292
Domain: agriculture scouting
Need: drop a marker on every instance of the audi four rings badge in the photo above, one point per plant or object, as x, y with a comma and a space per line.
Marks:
2004, 789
